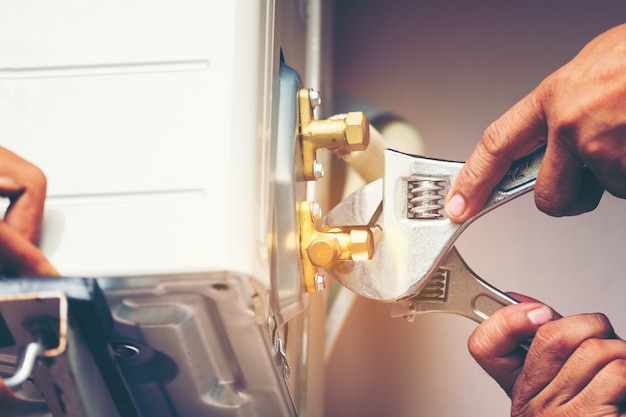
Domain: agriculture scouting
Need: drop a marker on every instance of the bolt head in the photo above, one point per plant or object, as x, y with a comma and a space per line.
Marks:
357, 131
271, 324
315, 98
320, 282
318, 170
324, 250
316, 211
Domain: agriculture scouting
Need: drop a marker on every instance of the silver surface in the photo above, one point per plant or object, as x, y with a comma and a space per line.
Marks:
197, 345
288, 297
458, 291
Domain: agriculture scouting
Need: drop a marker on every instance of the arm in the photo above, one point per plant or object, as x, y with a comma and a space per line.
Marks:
580, 111
575, 365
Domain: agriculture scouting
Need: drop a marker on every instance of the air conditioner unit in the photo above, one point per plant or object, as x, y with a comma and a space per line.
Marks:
169, 134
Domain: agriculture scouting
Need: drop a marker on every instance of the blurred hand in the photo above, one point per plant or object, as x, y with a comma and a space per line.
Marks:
580, 110
25, 186
576, 366
7, 399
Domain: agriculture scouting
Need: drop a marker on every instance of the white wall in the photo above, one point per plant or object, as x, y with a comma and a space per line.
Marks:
451, 67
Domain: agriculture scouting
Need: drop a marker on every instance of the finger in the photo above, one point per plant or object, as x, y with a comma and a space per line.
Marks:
565, 187
515, 134
552, 345
606, 159
526, 299
495, 344
7, 400
24, 184
25, 214
19, 257
609, 385
579, 373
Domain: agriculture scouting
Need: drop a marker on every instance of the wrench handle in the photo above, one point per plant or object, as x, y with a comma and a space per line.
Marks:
519, 180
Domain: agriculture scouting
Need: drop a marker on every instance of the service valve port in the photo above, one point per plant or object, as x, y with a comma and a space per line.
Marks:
342, 134
324, 249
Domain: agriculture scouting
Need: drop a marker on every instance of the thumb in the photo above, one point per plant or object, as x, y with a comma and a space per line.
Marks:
515, 134
495, 343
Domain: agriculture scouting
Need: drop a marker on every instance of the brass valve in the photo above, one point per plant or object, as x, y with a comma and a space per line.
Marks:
325, 249
355, 243
340, 134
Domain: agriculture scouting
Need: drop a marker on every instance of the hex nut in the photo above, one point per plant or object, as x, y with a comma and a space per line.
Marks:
315, 98
362, 247
324, 250
357, 131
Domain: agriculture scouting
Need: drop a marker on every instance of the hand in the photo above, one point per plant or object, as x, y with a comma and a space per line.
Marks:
580, 110
575, 366
25, 186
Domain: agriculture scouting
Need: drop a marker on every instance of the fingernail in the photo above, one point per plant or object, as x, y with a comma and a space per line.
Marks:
456, 205
540, 315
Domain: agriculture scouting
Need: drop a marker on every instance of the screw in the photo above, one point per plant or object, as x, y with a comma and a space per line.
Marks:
314, 98
286, 370
318, 170
125, 350
316, 211
271, 324
320, 282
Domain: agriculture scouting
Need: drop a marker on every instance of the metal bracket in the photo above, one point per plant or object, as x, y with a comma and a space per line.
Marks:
37, 321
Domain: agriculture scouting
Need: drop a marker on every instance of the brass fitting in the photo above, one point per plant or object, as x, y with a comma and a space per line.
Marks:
341, 244
308, 214
339, 134
362, 243
357, 131
325, 249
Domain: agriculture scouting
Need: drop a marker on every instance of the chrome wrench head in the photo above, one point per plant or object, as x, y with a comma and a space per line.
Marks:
416, 234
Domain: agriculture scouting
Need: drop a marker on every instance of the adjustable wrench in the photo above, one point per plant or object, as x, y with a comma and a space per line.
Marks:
416, 238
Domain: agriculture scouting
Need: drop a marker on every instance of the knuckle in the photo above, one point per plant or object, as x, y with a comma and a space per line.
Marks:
527, 405
616, 370
481, 342
550, 337
590, 347
471, 173
603, 324
494, 141
547, 89
491, 138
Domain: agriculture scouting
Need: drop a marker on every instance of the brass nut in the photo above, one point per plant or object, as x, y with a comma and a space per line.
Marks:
324, 250
362, 247
357, 131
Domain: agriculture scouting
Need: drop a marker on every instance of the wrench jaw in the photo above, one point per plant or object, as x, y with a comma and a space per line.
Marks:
374, 278
418, 231
364, 277
416, 235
